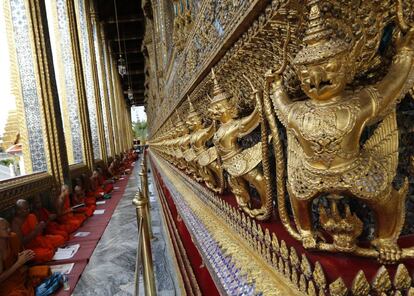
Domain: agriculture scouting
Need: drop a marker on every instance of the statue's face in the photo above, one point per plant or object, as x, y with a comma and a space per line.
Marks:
218, 109
193, 121
324, 80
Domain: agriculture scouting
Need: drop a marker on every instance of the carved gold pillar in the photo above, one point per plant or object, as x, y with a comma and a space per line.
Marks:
129, 128
107, 88
55, 149
114, 109
93, 25
82, 100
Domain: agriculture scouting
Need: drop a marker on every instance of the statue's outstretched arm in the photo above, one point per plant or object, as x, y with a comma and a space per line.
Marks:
250, 122
281, 101
209, 133
391, 87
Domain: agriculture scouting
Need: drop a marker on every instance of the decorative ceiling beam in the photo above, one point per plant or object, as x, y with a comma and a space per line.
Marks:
124, 19
127, 38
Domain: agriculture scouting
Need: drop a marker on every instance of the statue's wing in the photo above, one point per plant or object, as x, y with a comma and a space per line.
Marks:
207, 157
294, 152
368, 19
245, 161
189, 155
383, 144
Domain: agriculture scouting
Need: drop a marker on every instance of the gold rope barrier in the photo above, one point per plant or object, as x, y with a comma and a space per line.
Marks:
144, 254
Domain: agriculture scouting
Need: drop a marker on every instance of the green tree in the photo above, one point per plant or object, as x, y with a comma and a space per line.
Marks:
140, 130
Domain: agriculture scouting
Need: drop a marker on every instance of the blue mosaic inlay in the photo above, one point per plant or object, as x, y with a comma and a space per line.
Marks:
70, 84
87, 71
26, 67
223, 270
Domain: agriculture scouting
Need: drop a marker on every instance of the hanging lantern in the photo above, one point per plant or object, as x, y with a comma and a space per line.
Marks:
122, 66
130, 94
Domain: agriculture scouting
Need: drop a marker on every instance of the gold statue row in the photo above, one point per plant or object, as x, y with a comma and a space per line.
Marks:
325, 157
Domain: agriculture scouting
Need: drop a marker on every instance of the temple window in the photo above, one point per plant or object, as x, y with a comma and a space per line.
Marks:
85, 37
22, 126
63, 60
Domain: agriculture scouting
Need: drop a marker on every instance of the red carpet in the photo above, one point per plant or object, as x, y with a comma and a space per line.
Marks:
96, 225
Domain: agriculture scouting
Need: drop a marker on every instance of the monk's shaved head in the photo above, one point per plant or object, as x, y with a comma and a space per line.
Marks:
22, 208
21, 203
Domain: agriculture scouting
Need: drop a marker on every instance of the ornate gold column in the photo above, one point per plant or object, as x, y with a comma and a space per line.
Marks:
82, 100
93, 25
107, 86
114, 103
55, 148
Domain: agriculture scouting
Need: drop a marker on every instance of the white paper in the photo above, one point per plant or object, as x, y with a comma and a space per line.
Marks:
101, 202
82, 234
99, 212
121, 178
66, 253
62, 268
116, 188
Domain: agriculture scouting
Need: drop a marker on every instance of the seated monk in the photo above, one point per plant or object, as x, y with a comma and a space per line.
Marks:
42, 214
95, 184
30, 232
113, 170
79, 198
107, 184
14, 279
65, 215
87, 187
125, 165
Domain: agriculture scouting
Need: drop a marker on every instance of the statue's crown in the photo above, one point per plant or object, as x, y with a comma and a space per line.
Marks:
191, 111
321, 42
219, 93
179, 121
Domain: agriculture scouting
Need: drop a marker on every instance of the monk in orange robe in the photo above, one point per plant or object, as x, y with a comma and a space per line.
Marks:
65, 215
113, 170
14, 280
79, 198
42, 214
30, 231
107, 184
98, 184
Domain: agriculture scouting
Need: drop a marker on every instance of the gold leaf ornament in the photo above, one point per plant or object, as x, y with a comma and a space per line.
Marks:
382, 282
338, 288
360, 285
402, 279
319, 276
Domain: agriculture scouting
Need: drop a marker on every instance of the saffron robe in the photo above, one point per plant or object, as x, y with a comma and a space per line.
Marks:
52, 227
70, 221
43, 245
18, 283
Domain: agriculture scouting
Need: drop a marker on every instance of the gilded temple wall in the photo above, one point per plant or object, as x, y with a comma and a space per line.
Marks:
302, 112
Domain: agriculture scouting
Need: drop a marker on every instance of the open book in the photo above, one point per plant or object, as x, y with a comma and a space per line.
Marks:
78, 206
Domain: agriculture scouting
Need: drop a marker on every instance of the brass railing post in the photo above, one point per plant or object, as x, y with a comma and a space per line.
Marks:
144, 188
141, 206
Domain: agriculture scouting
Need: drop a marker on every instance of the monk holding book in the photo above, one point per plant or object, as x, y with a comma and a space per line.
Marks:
30, 232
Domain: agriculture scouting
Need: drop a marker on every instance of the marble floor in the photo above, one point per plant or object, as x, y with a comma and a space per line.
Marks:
110, 270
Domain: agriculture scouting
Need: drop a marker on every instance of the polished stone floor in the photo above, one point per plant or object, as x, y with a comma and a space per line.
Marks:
110, 270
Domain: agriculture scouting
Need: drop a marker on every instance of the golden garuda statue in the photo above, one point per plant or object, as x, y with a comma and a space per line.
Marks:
194, 124
206, 157
325, 153
241, 165
181, 143
180, 131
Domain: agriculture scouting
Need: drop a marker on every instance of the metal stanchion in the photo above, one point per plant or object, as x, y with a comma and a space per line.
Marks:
140, 222
141, 206
144, 188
